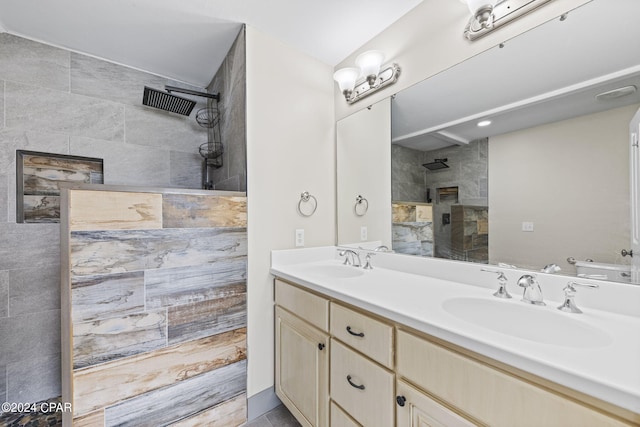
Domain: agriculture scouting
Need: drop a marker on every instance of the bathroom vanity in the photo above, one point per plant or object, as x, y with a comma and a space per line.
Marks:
397, 346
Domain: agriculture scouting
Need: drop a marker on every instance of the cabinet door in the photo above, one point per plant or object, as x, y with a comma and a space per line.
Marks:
416, 409
302, 369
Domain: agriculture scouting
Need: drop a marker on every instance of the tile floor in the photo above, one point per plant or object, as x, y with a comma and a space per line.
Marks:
277, 417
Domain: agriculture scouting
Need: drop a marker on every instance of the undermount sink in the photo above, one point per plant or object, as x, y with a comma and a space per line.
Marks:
337, 271
540, 324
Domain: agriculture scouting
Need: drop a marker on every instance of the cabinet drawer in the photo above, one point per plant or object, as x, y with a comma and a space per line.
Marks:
363, 388
367, 335
306, 305
340, 419
474, 388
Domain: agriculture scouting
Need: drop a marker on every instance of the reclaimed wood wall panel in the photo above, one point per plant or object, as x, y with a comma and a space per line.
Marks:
192, 321
41, 208
195, 211
113, 210
157, 308
103, 340
184, 285
94, 419
230, 413
115, 251
180, 400
103, 385
96, 297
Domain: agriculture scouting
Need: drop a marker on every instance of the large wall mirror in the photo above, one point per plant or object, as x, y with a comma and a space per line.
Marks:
547, 182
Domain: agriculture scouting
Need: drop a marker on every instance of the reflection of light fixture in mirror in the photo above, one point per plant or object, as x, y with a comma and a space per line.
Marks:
369, 64
487, 15
484, 123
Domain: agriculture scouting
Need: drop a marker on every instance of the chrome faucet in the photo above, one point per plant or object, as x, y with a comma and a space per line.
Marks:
532, 293
551, 268
382, 248
502, 280
351, 257
569, 305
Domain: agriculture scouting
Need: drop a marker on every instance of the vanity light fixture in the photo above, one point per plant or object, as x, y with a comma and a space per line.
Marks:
487, 15
484, 123
357, 83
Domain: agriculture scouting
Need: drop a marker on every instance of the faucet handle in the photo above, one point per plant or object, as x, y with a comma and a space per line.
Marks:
345, 254
569, 305
367, 265
502, 280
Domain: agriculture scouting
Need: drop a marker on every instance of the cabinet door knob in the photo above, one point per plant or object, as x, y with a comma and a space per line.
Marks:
355, 334
320, 346
400, 400
354, 385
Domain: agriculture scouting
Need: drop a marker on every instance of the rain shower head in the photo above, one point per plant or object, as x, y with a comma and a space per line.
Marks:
436, 164
167, 102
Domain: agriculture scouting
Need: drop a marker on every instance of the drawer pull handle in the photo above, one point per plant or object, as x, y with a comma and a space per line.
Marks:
400, 400
354, 385
355, 334
320, 346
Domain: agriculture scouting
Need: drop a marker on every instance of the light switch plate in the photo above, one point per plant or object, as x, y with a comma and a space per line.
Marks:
527, 226
363, 233
299, 237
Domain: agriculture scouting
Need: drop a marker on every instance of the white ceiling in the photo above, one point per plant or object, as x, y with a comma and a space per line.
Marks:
187, 40
548, 74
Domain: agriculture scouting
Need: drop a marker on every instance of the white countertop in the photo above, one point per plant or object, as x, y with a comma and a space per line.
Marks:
609, 372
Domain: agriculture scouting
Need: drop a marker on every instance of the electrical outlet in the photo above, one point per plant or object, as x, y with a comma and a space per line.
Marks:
300, 237
363, 233
527, 226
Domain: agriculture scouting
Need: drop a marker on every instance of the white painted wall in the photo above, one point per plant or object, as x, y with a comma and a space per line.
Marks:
429, 39
571, 179
363, 146
290, 149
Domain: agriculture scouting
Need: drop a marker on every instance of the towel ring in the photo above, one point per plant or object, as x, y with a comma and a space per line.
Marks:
361, 201
306, 197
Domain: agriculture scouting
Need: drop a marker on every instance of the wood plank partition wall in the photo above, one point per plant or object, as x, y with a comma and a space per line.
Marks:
154, 308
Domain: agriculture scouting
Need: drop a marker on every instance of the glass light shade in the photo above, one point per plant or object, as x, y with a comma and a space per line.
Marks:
370, 62
346, 78
474, 5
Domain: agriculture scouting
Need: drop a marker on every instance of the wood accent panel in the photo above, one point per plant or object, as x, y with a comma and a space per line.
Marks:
340, 419
486, 394
100, 341
112, 210
377, 342
180, 400
115, 251
233, 412
195, 211
184, 285
112, 295
131, 282
370, 406
191, 321
109, 383
94, 419
308, 306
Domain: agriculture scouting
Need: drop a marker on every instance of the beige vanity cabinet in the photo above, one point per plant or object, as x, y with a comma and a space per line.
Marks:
416, 409
362, 382
302, 354
486, 394
340, 366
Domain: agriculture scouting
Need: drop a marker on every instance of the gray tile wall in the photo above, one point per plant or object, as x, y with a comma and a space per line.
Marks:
230, 82
468, 168
61, 102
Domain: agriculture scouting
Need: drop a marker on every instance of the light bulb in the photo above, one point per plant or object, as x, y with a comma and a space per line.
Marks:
369, 63
346, 78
